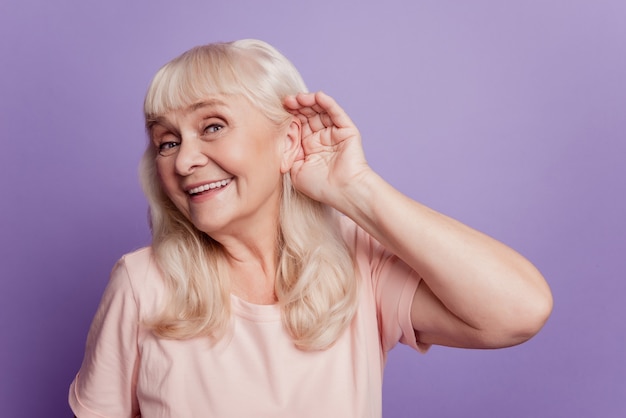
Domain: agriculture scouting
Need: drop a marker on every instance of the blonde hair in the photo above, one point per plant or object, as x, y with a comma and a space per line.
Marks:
315, 282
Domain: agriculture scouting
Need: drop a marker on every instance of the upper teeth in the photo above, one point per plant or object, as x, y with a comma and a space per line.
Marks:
209, 186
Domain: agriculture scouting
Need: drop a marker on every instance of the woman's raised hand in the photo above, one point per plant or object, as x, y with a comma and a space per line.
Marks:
331, 156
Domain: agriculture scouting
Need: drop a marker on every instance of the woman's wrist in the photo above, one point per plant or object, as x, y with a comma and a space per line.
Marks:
358, 197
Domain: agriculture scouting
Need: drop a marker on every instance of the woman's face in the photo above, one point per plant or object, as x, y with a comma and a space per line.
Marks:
221, 161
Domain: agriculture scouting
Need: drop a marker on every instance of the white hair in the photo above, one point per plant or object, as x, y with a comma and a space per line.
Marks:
315, 280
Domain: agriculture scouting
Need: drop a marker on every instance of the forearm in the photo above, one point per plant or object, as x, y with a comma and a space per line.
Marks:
478, 292
480, 280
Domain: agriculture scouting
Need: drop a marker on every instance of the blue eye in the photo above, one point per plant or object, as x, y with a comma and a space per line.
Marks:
168, 148
213, 128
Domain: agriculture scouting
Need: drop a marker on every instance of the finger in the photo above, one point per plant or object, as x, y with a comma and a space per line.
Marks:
306, 129
303, 99
308, 115
317, 121
310, 112
311, 104
291, 103
321, 110
312, 118
329, 106
300, 101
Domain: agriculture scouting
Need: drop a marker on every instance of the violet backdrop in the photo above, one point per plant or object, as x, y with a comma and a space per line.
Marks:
508, 115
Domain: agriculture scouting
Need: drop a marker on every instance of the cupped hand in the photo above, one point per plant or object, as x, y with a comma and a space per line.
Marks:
331, 158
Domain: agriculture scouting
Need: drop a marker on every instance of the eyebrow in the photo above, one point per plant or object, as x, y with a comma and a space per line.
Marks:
161, 120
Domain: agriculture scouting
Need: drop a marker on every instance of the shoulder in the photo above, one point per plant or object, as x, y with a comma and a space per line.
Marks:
137, 262
392, 284
353, 235
363, 247
137, 274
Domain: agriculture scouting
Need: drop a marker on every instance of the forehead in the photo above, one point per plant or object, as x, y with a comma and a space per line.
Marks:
236, 109
220, 101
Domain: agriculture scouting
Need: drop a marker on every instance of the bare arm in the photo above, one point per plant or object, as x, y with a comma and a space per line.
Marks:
476, 292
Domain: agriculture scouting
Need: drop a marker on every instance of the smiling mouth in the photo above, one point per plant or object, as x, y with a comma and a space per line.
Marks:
209, 186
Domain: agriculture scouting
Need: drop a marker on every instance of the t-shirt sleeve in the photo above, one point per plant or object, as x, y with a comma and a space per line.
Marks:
394, 285
105, 383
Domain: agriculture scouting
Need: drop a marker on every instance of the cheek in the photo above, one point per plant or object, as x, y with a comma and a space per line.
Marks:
160, 171
241, 158
165, 175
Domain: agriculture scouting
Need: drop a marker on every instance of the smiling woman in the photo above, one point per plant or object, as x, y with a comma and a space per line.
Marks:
282, 268
231, 145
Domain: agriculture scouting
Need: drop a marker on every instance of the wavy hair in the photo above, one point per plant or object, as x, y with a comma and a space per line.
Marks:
315, 279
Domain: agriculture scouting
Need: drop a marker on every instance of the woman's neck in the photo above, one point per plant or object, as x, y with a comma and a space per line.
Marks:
252, 263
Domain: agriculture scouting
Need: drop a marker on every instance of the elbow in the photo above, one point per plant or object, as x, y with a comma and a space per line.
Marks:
530, 309
536, 315
519, 323
525, 321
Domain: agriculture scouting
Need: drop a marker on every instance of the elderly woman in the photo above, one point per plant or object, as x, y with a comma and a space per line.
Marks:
282, 268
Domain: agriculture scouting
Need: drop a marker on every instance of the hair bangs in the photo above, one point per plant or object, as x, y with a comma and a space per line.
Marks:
247, 67
199, 73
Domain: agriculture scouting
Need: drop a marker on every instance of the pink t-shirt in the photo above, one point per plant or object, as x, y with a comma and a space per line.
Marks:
255, 371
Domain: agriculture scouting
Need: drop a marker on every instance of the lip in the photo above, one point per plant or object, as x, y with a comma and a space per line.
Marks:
200, 189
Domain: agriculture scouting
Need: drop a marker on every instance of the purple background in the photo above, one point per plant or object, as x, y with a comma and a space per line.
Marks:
509, 116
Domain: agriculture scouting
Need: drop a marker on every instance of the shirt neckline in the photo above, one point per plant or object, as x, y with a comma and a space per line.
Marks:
254, 312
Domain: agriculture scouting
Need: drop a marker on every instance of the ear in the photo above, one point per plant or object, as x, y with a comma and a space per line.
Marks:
292, 147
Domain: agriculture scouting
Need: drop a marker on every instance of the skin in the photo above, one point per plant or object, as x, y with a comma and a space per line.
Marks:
226, 138
476, 292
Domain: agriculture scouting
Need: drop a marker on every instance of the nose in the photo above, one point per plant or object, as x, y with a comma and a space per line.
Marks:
190, 155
